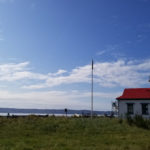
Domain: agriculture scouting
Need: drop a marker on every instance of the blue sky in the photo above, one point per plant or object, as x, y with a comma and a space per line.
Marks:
46, 49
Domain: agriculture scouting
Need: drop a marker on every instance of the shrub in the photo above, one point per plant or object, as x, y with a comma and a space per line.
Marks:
139, 121
120, 120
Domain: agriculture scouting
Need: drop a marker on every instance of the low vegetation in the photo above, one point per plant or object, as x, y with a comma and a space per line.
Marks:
60, 133
139, 121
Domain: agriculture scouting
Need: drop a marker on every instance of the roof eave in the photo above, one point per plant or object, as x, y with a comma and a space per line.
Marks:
133, 98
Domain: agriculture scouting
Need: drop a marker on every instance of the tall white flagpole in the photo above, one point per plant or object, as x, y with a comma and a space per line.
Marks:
92, 90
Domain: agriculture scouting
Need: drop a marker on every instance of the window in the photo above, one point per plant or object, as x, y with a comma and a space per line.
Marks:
130, 109
145, 109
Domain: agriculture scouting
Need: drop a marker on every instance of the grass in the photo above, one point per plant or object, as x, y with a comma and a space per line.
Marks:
35, 133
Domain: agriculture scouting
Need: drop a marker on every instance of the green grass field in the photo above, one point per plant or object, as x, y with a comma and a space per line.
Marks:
35, 133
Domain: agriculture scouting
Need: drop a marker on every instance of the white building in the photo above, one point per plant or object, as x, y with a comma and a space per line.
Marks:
134, 102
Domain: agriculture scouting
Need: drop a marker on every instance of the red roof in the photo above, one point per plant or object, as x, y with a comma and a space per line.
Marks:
135, 94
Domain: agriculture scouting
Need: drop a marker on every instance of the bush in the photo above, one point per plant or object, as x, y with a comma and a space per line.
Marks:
120, 120
139, 121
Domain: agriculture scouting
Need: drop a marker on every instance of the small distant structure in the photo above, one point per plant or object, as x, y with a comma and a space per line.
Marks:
134, 101
8, 115
114, 107
66, 111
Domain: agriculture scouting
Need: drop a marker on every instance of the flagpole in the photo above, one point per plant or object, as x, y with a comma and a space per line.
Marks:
92, 90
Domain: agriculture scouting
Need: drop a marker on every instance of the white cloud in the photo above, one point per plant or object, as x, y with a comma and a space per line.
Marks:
23, 75
77, 75
13, 67
56, 99
59, 72
13, 72
119, 73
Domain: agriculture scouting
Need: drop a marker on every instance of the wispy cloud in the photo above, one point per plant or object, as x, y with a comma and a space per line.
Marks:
19, 71
112, 50
59, 72
120, 73
102, 52
13, 72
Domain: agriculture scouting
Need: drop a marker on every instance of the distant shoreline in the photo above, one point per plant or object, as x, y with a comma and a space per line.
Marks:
57, 112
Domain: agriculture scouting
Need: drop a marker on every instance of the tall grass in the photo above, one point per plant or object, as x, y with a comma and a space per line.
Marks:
60, 133
139, 121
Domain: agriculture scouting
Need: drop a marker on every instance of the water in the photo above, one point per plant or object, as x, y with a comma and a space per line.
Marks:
36, 114
41, 114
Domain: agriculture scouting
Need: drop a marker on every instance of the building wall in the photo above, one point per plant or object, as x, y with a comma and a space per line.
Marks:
136, 107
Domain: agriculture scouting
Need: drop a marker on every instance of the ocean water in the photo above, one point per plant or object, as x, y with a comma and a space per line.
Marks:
40, 114
36, 114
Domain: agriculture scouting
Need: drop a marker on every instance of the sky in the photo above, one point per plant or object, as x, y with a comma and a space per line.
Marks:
46, 48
